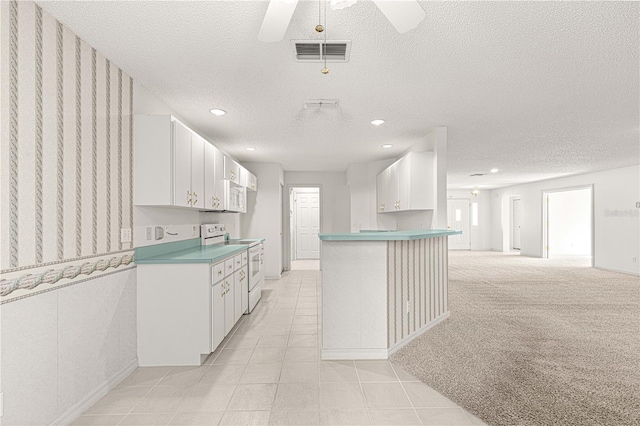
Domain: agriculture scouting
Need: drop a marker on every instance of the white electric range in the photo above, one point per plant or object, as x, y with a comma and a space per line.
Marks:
215, 233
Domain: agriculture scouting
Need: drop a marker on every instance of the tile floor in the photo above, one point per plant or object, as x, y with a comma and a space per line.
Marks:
268, 371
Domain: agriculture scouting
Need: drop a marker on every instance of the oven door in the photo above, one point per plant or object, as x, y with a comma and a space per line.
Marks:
255, 266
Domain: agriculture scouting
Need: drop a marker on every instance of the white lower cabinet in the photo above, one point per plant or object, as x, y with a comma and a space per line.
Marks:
217, 314
185, 310
229, 296
237, 294
229, 305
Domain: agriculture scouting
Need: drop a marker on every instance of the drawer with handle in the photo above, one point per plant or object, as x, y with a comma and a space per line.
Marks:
218, 272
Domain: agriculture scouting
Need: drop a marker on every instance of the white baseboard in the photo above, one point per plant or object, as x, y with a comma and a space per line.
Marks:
424, 328
342, 354
617, 270
77, 410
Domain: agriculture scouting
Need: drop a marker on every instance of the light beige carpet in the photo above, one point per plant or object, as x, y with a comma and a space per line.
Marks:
535, 342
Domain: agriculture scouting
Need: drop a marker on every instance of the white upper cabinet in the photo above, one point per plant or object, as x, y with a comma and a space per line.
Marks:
382, 182
408, 184
197, 170
168, 163
213, 178
251, 181
174, 166
231, 170
181, 165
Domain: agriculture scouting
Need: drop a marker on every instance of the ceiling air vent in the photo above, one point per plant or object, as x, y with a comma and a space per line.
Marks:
315, 50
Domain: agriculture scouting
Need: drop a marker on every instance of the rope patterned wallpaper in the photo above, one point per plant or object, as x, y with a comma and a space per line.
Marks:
66, 165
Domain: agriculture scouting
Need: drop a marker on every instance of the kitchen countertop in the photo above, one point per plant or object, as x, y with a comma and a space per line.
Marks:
372, 235
189, 251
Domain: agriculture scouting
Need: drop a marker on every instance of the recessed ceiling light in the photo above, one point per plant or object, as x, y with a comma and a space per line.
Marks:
494, 170
250, 148
387, 146
377, 122
218, 112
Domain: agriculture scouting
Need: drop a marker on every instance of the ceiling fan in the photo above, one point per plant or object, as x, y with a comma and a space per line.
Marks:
404, 15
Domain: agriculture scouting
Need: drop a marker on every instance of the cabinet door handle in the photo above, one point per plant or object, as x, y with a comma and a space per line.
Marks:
188, 197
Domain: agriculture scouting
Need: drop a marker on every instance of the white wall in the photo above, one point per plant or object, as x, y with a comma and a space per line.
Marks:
616, 219
336, 203
480, 235
264, 214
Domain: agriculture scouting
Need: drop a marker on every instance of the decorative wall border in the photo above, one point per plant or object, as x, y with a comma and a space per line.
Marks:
30, 281
60, 286
57, 262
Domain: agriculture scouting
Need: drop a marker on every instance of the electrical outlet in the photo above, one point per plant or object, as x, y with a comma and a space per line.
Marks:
125, 235
638, 204
149, 233
194, 230
634, 259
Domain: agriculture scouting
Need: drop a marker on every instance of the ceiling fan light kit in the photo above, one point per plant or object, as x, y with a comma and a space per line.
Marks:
403, 15
341, 4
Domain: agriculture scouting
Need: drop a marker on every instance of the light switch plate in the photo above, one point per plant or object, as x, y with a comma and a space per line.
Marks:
638, 204
125, 235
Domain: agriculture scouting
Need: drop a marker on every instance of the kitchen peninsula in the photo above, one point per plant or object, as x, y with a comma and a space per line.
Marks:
381, 289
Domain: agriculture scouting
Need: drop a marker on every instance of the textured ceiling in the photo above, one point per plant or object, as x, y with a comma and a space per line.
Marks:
536, 89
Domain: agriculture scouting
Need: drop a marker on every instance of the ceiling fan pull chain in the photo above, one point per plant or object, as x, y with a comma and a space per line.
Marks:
325, 70
319, 27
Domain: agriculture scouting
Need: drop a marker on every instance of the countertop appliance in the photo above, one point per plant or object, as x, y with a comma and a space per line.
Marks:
215, 233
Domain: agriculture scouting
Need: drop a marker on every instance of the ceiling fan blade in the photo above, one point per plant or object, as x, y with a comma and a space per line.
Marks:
276, 20
405, 15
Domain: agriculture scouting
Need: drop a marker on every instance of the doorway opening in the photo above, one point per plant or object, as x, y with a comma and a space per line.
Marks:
568, 223
458, 219
304, 227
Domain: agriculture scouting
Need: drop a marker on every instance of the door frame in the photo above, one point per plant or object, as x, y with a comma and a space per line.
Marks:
545, 218
286, 216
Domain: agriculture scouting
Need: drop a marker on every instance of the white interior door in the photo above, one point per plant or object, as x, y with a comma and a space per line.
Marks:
307, 211
517, 223
458, 219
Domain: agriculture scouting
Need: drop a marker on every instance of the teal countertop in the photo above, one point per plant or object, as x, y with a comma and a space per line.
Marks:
189, 251
372, 235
